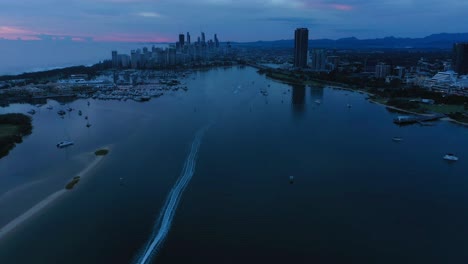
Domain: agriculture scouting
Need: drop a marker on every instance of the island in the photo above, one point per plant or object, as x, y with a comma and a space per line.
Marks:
13, 127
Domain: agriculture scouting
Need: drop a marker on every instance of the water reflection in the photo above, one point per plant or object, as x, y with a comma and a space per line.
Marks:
298, 99
316, 93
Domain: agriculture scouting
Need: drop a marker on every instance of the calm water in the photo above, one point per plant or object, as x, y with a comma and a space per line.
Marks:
358, 197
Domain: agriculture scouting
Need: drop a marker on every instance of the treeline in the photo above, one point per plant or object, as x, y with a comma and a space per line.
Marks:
24, 127
438, 98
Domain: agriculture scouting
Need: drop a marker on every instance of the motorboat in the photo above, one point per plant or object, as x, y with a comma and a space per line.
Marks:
145, 98
80, 113
349, 106
69, 109
50, 107
450, 157
64, 144
61, 112
317, 101
32, 112
397, 139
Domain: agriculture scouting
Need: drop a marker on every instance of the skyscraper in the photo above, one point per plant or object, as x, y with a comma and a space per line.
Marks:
216, 41
115, 61
181, 40
203, 40
188, 38
319, 60
460, 58
382, 70
301, 45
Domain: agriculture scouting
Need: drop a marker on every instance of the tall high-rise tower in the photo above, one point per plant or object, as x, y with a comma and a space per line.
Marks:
181, 40
460, 58
203, 40
188, 38
216, 41
301, 45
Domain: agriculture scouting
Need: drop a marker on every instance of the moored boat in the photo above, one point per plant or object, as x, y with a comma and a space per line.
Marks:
64, 144
450, 157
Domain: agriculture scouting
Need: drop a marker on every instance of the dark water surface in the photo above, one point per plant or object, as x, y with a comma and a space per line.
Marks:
358, 197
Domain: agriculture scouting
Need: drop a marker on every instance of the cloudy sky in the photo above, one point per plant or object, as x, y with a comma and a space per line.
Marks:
235, 20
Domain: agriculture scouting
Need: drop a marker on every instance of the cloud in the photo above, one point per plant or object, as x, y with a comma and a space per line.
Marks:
240, 20
150, 14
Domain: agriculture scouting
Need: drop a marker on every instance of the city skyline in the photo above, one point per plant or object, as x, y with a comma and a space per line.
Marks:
156, 21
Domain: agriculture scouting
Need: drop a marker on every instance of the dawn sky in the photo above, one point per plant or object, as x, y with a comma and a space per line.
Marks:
235, 20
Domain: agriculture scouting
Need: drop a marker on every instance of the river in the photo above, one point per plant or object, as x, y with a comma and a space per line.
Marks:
357, 196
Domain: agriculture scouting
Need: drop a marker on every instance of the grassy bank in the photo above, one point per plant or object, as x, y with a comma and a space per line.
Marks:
13, 127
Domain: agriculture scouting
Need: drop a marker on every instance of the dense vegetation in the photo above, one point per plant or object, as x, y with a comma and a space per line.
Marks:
12, 129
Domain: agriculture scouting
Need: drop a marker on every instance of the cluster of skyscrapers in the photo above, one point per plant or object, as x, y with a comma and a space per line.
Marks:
184, 51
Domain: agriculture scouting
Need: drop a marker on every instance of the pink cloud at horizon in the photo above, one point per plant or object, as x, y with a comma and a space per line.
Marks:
131, 38
15, 33
342, 7
322, 5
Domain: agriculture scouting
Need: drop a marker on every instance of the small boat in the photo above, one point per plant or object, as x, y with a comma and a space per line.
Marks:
61, 112
69, 109
89, 103
145, 98
397, 139
88, 124
349, 106
64, 144
317, 101
291, 179
50, 107
80, 113
32, 112
86, 117
450, 157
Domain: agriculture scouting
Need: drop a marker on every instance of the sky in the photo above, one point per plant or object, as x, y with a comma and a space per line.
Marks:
232, 20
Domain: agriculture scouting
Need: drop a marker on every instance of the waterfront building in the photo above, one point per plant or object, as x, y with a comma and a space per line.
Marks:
400, 72
460, 58
333, 62
319, 60
216, 41
382, 70
301, 46
171, 56
181, 40
123, 61
134, 59
203, 40
115, 59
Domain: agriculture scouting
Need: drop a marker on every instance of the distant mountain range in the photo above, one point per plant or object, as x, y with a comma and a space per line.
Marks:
435, 41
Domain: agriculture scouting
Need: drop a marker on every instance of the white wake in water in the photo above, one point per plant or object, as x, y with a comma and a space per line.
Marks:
164, 222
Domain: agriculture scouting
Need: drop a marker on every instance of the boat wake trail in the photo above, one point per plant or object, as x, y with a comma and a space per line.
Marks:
163, 224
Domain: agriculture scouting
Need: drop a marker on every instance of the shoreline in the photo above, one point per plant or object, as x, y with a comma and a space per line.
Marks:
16, 222
343, 86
